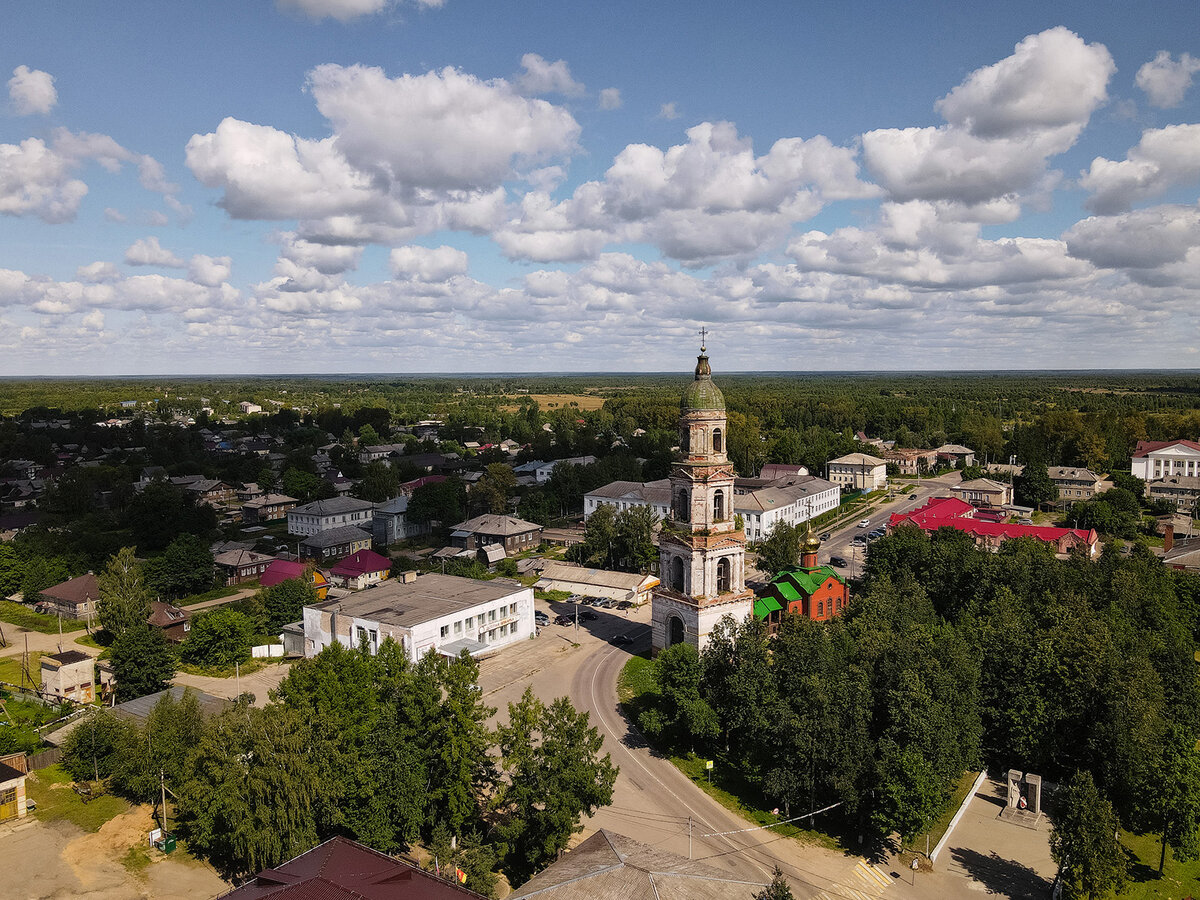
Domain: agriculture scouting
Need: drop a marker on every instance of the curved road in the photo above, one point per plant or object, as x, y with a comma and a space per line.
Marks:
653, 801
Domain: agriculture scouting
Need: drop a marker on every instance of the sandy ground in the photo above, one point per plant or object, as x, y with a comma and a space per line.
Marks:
59, 861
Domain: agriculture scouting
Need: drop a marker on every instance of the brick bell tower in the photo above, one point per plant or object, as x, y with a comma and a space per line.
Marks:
702, 555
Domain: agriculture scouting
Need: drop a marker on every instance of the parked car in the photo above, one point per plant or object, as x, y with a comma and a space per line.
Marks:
575, 598
859, 541
865, 523
620, 639
838, 562
541, 618
878, 533
587, 615
564, 620
606, 603
625, 604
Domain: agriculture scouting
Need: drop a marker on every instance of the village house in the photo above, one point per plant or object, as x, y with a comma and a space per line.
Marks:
956, 455
335, 543
322, 515
267, 508
171, 619
984, 492
442, 613
360, 570
238, 566
283, 569
512, 534
75, 598
909, 461
12, 787
211, 492
390, 522
857, 472
1076, 484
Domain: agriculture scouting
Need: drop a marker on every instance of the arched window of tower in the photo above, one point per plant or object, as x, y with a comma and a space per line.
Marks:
723, 576
681, 506
717, 441
677, 574
718, 506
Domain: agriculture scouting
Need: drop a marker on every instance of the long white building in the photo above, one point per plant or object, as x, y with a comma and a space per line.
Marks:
443, 613
1153, 460
336, 512
761, 503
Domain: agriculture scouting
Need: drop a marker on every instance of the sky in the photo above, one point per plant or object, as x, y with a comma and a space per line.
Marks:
405, 186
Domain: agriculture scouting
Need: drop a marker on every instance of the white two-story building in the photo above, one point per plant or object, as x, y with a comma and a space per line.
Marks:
1154, 460
336, 512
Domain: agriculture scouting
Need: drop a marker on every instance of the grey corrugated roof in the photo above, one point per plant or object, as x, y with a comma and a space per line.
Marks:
428, 597
490, 523
609, 865
334, 506
334, 536
656, 493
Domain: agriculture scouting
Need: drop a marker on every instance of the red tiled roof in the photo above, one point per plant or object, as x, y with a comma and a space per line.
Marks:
1146, 447
341, 869
421, 482
77, 591
361, 563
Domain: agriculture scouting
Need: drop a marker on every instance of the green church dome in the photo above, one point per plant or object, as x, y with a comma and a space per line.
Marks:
702, 393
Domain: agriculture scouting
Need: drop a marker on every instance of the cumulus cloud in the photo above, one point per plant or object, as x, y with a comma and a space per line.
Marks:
703, 200
668, 111
428, 264
148, 252
539, 76
610, 98
345, 10
1162, 159
97, 273
209, 270
328, 259
31, 91
1144, 239
1003, 124
38, 178
1166, 80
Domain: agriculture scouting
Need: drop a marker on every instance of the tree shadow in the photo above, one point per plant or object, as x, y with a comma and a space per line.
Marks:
998, 875
1138, 871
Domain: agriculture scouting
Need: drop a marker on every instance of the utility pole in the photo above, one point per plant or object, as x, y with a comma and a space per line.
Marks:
689, 837
162, 783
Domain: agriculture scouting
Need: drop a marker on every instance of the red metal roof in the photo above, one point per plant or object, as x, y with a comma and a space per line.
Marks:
1146, 447
950, 512
934, 508
363, 562
281, 570
341, 869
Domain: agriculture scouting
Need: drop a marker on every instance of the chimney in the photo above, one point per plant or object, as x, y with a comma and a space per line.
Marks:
1168, 537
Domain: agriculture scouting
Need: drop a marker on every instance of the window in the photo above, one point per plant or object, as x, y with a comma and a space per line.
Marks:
470, 621
491, 615
723, 576
718, 506
717, 441
458, 627
820, 608
445, 630
681, 506
8, 795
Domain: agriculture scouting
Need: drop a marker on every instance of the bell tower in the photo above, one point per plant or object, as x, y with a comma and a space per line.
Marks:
702, 555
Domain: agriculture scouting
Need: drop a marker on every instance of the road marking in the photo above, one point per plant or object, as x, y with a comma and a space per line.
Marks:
872, 874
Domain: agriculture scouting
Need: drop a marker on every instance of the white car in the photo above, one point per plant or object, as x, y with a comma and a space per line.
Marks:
865, 523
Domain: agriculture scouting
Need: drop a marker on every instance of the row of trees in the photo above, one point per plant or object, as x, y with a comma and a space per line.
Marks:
367, 746
951, 657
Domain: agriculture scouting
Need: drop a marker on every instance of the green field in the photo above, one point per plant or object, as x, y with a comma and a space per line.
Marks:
18, 614
1179, 879
51, 789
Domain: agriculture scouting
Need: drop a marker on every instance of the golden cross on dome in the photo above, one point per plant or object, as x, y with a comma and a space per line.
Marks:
703, 335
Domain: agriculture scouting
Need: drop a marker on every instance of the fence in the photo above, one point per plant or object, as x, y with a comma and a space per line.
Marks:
266, 650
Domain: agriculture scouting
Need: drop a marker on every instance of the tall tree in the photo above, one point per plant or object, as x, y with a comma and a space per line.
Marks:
249, 800
460, 733
379, 482
284, 602
1090, 859
781, 548
777, 890
635, 550
142, 662
1033, 486
218, 637
186, 567
124, 599
1178, 784
555, 775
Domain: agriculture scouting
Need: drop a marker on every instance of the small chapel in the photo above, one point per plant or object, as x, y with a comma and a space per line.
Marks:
811, 590
702, 554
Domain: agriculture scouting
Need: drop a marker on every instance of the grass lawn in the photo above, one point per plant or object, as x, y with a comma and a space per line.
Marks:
1180, 879
50, 788
636, 687
250, 665
961, 790
215, 593
10, 668
18, 614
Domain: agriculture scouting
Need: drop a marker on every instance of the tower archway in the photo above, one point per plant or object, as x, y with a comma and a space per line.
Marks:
674, 631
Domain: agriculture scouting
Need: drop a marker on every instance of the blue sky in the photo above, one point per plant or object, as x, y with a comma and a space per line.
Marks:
383, 186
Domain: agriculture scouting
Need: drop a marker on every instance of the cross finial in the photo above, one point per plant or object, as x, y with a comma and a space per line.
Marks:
703, 336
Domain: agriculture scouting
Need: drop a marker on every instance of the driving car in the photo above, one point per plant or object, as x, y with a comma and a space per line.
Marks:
620, 639
826, 536
865, 523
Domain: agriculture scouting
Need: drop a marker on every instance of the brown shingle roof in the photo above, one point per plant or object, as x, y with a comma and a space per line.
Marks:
77, 591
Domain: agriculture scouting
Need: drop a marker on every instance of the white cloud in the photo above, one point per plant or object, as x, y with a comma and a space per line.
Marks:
610, 98
31, 91
114, 215
328, 259
442, 130
37, 178
542, 77
345, 10
668, 111
1162, 159
148, 252
428, 264
1004, 122
97, 273
1165, 80
93, 320
707, 199
1143, 239
209, 270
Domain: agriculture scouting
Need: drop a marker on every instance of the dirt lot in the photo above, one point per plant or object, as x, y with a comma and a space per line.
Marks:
60, 861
